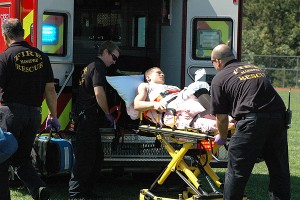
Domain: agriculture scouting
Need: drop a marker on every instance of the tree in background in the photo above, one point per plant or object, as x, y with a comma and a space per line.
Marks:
272, 28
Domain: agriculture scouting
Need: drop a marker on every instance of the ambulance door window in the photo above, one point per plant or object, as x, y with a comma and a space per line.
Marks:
139, 31
208, 33
54, 30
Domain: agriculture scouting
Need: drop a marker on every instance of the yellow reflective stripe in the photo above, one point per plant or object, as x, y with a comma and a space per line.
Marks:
223, 26
27, 21
44, 110
207, 52
64, 116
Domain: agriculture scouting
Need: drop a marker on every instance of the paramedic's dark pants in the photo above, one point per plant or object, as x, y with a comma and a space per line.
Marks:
88, 155
255, 135
24, 122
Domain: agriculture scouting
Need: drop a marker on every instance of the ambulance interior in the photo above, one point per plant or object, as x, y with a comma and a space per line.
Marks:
133, 25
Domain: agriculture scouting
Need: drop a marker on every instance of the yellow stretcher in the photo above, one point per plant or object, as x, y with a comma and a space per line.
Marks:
190, 142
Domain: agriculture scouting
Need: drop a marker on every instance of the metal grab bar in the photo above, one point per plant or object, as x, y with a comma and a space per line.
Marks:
67, 80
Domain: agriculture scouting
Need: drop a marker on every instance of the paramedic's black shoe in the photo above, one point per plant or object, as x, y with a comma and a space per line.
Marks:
44, 193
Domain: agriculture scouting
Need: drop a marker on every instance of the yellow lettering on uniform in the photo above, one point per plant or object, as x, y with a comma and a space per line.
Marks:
18, 67
29, 61
249, 70
251, 76
41, 65
23, 68
22, 53
248, 76
38, 55
259, 75
17, 57
27, 53
241, 78
30, 68
84, 71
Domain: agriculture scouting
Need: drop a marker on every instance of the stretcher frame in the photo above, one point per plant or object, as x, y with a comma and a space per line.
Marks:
189, 174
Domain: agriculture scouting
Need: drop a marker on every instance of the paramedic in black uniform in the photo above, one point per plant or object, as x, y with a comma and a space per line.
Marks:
25, 77
243, 91
92, 104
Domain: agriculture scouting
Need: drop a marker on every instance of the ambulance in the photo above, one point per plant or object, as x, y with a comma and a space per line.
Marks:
177, 35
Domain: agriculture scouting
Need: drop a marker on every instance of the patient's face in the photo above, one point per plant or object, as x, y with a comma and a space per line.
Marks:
157, 76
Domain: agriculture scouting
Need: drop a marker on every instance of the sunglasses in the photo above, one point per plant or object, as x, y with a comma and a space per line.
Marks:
114, 57
214, 60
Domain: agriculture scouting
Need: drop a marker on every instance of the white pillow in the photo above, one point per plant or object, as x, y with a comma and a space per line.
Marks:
126, 86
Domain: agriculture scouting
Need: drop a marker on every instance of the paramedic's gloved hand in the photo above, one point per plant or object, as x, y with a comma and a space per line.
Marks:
220, 141
52, 123
110, 118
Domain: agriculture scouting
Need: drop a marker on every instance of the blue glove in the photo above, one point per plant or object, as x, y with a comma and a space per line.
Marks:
52, 123
110, 118
219, 141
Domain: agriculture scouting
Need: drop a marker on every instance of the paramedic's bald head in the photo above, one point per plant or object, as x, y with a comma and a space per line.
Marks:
12, 28
12, 31
220, 55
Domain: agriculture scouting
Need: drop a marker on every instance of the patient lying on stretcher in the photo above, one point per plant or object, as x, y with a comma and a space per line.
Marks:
191, 104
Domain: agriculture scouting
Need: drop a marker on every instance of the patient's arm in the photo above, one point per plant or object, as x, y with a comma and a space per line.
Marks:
140, 102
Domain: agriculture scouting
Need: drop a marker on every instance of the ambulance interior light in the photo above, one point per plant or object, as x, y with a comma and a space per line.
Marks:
49, 34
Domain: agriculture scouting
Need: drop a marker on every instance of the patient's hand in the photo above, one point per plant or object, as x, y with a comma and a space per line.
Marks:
160, 106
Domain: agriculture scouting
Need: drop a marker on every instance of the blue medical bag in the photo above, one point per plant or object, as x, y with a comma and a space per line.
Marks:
54, 155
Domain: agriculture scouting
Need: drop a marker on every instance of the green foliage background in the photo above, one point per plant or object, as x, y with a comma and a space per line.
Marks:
271, 27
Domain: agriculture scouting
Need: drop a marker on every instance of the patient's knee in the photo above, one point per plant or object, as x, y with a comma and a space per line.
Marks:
200, 92
203, 98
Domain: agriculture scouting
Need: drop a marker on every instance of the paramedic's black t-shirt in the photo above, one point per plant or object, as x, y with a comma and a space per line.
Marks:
92, 75
243, 88
24, 72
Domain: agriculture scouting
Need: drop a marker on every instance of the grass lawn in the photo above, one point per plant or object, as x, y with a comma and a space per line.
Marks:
127, 187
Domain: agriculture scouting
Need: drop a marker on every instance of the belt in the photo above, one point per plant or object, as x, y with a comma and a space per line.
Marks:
261, 116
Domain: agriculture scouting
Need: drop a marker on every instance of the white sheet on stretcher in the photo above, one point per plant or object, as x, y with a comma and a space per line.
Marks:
186, 110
